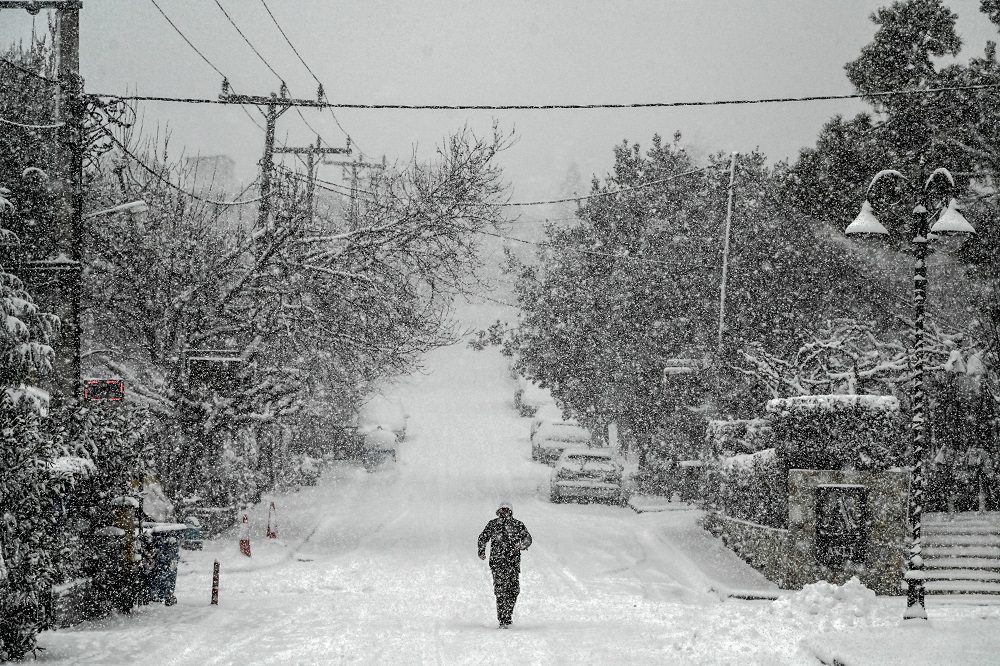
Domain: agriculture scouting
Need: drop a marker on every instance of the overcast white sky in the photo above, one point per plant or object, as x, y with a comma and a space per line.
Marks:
485, 52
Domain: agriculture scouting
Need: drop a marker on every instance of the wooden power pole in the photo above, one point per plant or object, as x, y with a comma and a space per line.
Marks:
354, 166
56, 279
275, 105
311, 153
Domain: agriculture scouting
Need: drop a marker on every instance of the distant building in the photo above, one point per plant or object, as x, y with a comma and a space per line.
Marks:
216, 173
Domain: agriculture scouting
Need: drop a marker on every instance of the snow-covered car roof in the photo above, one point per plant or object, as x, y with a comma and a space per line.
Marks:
561, 431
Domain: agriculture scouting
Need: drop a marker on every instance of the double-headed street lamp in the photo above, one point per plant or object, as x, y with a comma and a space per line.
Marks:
949, 222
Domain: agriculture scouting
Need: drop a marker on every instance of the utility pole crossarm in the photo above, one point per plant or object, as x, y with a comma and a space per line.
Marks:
314, 150
34, 6
311, 152
261, 100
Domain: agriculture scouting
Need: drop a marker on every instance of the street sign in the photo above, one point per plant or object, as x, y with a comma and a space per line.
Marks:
112, 390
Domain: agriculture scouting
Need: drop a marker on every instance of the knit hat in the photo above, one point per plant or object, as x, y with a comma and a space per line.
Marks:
505, 505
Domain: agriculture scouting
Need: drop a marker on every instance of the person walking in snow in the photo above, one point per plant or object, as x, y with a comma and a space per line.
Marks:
507, 537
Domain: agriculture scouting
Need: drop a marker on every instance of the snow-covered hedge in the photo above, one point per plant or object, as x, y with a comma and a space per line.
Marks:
737, 436
751, 487
26, 544
837, 431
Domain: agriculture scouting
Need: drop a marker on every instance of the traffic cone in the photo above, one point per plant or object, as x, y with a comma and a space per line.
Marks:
245, 537
272, 523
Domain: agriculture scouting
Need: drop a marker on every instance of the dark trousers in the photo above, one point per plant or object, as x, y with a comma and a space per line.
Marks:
506, 586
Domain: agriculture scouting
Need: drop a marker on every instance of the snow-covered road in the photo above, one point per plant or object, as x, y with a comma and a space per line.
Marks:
382, 567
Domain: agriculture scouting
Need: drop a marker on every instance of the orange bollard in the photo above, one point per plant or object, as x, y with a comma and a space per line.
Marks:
245, 537
272, 527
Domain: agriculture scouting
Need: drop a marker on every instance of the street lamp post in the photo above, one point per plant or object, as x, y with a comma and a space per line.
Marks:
950, 221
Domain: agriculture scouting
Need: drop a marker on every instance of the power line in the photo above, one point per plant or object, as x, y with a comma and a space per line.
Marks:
294, 50
27, 71
550, 107
268, 65
618, 191
166, 181
202, 55
553, 201
249, 43
304, 64
17, 124
189, 42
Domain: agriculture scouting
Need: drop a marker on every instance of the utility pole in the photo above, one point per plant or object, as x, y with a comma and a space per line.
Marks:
354, 165
311, 163
56, 279
276, 104
725, 275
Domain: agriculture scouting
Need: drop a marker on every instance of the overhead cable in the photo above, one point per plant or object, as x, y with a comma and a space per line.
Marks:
249, 43
304, 63
25, 70
630, 188
627, 188
551, 107
202, 56
166, 181
25, 126
267, 64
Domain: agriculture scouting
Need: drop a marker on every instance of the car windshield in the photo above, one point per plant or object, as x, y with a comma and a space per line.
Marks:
589, 463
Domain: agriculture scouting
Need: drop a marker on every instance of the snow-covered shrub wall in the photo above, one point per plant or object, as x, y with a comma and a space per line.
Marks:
110, 437
837, 432
751, 487
737, 436
26, 544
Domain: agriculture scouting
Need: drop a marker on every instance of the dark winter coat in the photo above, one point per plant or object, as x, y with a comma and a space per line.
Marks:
508, 538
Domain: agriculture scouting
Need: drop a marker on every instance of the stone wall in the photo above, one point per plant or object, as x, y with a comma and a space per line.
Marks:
790, 557
765, 548
881, 568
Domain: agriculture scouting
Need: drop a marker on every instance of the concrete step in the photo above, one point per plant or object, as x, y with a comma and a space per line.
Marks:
962, 563
961, 587
960, 528
953, 539
961, 551
955, 574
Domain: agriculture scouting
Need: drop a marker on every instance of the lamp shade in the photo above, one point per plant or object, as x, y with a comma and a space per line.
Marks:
865, 223
951, 221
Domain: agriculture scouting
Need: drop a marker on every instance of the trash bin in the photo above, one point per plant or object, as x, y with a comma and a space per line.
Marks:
191, 538
163, 543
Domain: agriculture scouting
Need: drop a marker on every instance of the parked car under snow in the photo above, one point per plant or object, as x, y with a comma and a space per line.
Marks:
380, 412
547, 414
552, 437
379, 447
530, 397
588, 475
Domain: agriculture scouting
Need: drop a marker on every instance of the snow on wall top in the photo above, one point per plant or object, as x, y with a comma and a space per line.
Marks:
816, 403
746, 460
70, 466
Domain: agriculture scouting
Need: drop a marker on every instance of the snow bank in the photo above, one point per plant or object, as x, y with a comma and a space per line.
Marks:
824, 606
68, 467
886, 403
746, 459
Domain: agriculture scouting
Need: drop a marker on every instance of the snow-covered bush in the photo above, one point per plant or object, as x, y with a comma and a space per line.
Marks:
837, 432
109, 439
26, 544
752, 487
737, 436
